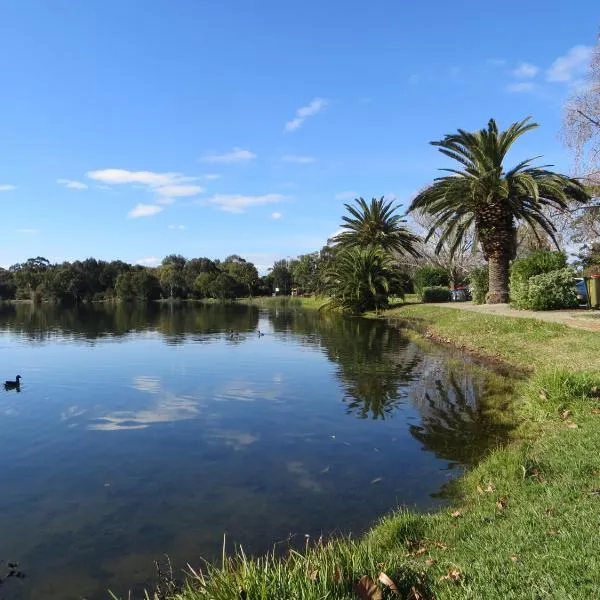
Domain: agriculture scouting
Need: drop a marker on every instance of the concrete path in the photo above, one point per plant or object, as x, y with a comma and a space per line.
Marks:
579, 318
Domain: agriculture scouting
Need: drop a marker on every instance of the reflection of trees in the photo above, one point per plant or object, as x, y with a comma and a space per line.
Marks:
91, 322
373, 360
456, 419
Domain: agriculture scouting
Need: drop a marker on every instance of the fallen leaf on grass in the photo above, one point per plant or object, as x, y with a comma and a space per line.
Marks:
456, 514
572, 425
501, 504
565, 414
415, 594
419, 551
514, 558
366, 589
543, 395
441, 545
429, 562
595, 493
452, 575
313, 575
596, 411
383, 578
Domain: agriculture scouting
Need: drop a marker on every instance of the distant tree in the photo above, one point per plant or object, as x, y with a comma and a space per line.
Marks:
484, 199
281, 276
30, 274
304, 270
171, 275
196, 266
223, 287
202, 287
243, 272
7, 285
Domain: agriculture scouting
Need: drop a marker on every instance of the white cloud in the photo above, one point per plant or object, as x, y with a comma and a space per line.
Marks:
144, 210
572, 65
150, 261
237, 203
179, 227
72, 184
526, 70
346, 195
311, 109
523, 86
5, 187
211, 176
123, 176
165, 200
29, 231
276, 215
299, 160
234, 155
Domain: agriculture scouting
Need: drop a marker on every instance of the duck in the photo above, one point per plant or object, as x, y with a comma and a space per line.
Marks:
260, 334
13, 385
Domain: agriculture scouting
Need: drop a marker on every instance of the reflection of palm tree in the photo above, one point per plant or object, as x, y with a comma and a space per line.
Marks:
373, 360
454, 421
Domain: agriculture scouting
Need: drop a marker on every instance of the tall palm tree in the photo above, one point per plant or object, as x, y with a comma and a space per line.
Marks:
483, 197
376, 224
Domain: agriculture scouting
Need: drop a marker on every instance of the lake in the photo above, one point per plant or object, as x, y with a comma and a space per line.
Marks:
144, 431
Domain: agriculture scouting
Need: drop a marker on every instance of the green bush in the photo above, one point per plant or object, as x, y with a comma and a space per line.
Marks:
436, 293
553, 290
479, 280
430, 277
521, 271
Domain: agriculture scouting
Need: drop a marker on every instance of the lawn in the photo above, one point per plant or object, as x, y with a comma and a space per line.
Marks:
524, 523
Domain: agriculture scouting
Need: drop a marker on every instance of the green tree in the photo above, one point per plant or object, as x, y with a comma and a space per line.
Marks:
376, 224
304, 270
281, 276
244, 272
202, 287
482, 196
171, 275
223, 287
361, 279
30, 274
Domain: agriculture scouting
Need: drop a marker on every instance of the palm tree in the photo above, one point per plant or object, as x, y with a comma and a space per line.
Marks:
376, 225
484, 199
360, 279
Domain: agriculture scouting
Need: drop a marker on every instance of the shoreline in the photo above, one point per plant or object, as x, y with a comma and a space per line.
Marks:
523, 506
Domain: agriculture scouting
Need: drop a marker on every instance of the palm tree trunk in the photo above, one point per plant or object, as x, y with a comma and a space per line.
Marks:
498, 263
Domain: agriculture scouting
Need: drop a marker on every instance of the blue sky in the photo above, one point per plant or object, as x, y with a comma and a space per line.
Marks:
132, 129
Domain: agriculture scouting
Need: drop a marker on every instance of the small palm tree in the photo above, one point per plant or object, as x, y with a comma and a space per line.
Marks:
360, 279
483, 198
376, 224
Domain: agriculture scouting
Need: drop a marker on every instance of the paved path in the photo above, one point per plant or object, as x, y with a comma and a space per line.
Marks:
578, 318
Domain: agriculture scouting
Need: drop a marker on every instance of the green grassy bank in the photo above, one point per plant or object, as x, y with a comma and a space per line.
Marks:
525, 522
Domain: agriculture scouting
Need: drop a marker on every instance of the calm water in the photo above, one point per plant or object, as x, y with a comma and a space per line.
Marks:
139, 432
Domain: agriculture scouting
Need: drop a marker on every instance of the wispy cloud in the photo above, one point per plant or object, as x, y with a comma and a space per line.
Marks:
526, 71
234, 155
520, 87
149, 261
571, 66
178, 227
299, 160
5, 187
72, 184
276, 215
317, 105
166, 186
144, 210
28, 231
211, 176
346, 195
238, 203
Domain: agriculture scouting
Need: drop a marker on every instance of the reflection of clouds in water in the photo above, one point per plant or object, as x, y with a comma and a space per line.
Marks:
245, 392
168, 409
303, 478
277, 378
236, 439
146, 383
72, 412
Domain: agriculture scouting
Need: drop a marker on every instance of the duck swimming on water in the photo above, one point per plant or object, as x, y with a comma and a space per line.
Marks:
13, 385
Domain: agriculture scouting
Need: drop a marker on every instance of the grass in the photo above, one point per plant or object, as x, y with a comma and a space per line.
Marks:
524, 523
308, 302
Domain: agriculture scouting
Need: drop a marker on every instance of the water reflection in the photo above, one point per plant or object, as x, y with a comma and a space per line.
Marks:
116, 453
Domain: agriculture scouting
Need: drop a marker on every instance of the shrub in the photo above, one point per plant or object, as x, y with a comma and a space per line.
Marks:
537, 263
552, 290
430, 277
436, 293
479, 280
